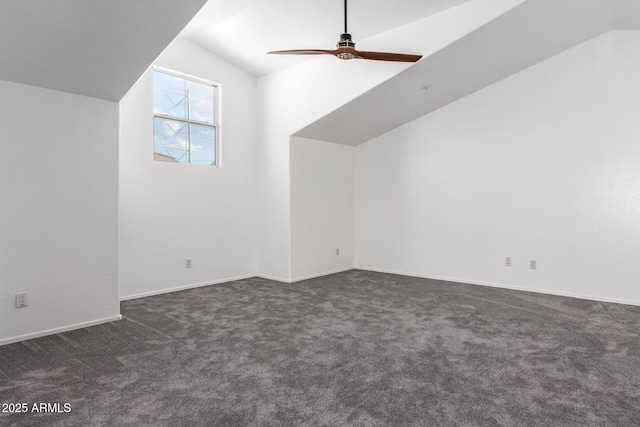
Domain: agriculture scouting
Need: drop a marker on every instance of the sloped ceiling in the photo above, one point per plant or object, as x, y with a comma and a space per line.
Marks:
522, 37
96, 48
242, 31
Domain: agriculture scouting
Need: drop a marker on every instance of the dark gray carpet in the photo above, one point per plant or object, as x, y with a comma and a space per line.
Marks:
356, 348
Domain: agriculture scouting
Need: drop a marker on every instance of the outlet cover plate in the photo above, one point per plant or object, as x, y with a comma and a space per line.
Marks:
21, 300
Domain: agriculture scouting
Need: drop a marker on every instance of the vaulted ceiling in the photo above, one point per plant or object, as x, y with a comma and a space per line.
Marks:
242, 31
527, 34
96, 48
100, 48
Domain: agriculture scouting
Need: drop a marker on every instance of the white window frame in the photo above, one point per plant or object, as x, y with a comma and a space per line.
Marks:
217, 95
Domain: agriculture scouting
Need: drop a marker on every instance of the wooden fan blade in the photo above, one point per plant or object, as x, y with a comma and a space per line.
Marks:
385, 56
303, 52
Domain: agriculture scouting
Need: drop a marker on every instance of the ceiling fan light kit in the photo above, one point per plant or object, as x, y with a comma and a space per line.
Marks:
346, 49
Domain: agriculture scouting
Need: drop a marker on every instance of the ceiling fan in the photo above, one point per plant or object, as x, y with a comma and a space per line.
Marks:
346, 49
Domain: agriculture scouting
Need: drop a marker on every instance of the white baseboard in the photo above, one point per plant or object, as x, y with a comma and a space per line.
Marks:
67, 328
59, 330
301, 278
324, 273
275, 278
184, 287
507, 286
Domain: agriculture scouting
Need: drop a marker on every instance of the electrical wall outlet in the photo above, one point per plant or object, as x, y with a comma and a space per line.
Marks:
187, 264
22, 300
507, 261
533, 264
337, 251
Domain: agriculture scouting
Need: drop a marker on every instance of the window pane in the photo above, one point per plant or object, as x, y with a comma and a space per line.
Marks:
200, 102
203, 145
170, 141
169, 95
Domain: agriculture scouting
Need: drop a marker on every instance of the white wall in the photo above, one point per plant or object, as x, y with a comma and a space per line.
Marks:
289, 100
297, 96
322, 185
58, 211
543, 165
172, 212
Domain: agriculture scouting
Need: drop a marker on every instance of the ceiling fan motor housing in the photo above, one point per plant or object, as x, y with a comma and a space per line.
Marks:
348, 45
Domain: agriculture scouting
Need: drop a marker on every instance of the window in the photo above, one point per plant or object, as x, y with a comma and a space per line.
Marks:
185, 119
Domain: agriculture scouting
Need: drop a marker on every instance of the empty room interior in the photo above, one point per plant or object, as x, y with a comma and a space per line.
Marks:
426, 215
